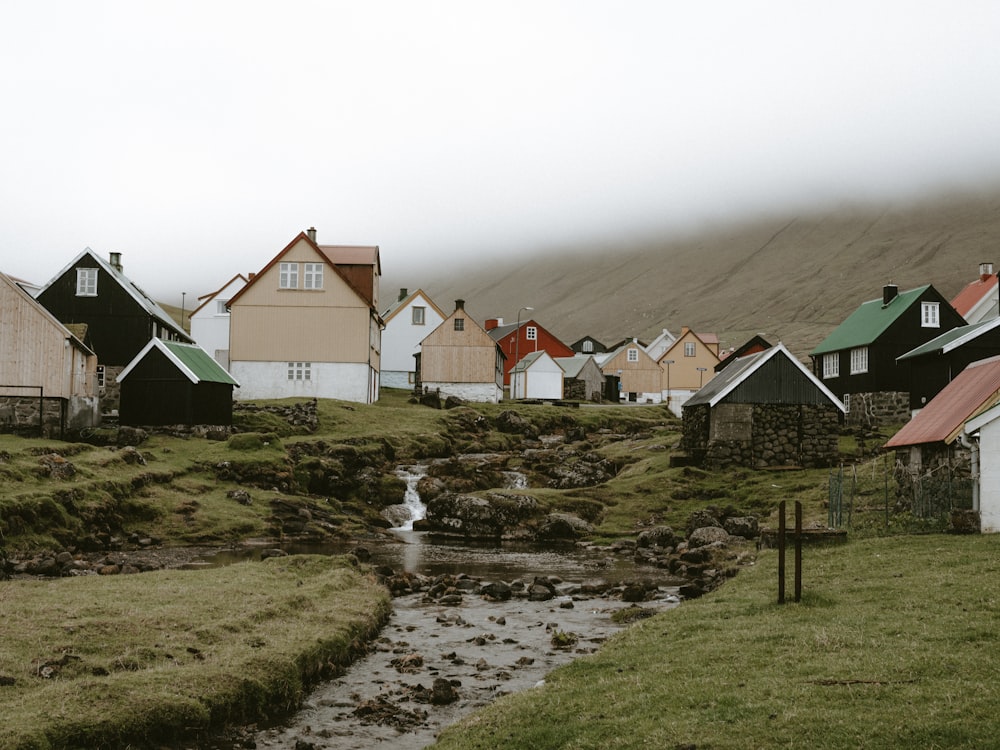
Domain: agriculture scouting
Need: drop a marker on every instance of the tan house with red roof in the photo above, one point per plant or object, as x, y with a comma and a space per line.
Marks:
307, 324
687, 366
980, 299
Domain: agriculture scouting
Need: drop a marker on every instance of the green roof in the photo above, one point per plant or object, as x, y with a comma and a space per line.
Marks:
868, 322
198, 361
953, 338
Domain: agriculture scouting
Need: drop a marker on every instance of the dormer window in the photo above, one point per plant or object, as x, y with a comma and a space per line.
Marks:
86, 282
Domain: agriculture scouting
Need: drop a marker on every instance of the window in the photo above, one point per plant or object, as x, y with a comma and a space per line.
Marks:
100, 376
312, 277
633, 355
459, 324
831, 365
847, 403
588, 347
689, 349
930, 315
859, 360
532, 333
288, 275
418, 315
86, 282
300, 370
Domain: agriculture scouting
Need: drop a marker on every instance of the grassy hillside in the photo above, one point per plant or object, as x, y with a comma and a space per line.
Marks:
791, 277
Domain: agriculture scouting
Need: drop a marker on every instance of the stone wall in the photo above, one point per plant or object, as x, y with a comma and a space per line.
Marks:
770, 435
878, 408
20, 414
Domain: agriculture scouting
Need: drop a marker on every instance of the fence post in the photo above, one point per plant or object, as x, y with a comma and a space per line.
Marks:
781, 552
798, 550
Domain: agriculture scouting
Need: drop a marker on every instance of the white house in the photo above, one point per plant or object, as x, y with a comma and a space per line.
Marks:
210, 320
660, 344
408, 320
537, 375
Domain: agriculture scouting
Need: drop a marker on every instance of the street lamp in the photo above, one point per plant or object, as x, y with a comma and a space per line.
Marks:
701, 375
668, 362
517, 353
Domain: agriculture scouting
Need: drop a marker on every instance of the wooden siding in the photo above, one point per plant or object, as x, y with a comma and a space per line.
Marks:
315, 334
643, 376
684, 374
155, 392
466, 356
34, 351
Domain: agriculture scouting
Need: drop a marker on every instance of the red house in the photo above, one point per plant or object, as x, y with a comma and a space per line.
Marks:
516, 342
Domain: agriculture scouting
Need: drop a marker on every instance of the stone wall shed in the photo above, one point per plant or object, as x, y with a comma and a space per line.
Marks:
765, 409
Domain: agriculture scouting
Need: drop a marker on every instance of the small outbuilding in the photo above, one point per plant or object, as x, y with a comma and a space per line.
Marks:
583, 380
169, 382
537, 375
763, 410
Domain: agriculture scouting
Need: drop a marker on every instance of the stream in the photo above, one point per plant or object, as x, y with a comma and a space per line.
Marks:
483, 649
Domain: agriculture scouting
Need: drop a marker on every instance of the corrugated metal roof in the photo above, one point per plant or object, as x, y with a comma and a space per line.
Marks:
572, 365
951, 340
973, 390
868, 322
973, 292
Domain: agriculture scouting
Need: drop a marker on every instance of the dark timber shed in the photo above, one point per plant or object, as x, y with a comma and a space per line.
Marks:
173, 383
765, 409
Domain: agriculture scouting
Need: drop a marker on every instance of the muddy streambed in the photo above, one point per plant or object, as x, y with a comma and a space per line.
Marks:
478, 649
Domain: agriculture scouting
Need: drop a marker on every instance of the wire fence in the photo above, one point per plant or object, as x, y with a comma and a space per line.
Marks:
882, 494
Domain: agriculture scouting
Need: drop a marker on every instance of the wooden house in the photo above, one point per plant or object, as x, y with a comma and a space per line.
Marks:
48, 376
519, 340
408, 320
537, 376
583, 379
687, 365
459, 358
171, 383
859, 362
588, 345
307, 324
763, 410
979, 300
639, 376
209, 321
935, 364
120, 317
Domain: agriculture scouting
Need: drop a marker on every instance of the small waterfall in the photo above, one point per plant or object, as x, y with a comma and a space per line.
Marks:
412, 508
515, 480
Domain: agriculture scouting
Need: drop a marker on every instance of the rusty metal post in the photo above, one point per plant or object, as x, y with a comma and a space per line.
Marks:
781, 552
798, 551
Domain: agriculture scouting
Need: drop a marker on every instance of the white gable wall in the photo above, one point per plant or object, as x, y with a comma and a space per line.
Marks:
401, 340
989, 477
210, 324
346, 381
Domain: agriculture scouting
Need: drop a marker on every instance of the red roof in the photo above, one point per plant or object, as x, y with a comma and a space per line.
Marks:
966, 299
974, 390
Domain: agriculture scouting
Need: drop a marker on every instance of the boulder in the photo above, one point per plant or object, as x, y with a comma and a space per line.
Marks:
493, 516
566, 526
742, 526
658, 536
707, 535
701, 518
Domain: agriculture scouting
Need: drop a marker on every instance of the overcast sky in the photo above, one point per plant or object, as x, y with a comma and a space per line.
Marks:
198, 138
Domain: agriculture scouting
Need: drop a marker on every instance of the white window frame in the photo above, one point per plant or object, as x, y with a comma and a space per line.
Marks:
689, 349
859, 360
930, 315
298, 371
633, 355
531, 333
847, 403
288, 275
831, 365
588, 346
312, 276
86, 282
419, 315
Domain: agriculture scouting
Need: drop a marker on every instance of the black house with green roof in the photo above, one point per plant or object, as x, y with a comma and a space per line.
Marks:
861, 355
171, 383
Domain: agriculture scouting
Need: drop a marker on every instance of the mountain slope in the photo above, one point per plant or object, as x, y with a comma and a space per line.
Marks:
791, 278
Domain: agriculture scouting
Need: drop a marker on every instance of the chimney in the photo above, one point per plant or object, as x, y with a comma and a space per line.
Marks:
985, 271
403, 294
889, 292
492, 323
311, 232
116, 261
459, 304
